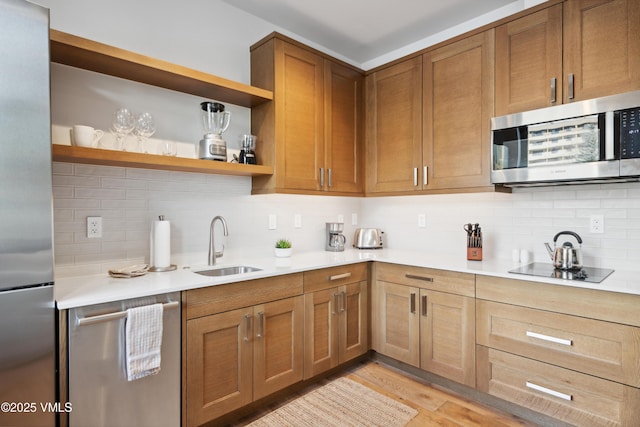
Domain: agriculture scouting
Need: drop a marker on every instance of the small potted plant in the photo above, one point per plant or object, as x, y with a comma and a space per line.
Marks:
283, 248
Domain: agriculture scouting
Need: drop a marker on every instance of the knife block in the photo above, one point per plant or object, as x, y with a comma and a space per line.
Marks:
474, 254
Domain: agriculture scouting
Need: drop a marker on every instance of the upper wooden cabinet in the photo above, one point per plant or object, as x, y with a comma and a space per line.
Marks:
577, 50
311, 133
428, 120
458, 106
394, 127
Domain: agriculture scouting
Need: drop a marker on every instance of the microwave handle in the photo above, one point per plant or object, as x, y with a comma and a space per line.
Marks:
609, 137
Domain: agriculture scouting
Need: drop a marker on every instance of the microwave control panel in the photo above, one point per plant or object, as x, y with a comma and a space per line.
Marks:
630, 133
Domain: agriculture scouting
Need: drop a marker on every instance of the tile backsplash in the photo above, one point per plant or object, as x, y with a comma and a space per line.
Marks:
129, 200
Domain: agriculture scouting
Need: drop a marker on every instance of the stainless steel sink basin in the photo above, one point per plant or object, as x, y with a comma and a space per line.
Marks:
228, 271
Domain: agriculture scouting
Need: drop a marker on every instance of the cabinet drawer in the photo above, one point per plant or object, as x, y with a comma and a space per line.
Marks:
604, 349
221, 298
427, 278
316, 280
567, 395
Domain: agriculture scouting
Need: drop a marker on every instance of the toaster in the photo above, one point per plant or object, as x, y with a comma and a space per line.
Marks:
367, 238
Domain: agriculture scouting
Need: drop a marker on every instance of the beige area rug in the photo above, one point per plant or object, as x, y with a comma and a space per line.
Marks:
342, 402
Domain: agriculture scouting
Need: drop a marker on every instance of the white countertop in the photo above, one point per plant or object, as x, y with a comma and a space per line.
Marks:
87, 290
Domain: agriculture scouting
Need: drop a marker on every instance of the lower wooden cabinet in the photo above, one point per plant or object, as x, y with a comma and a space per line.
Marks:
564, 394
237, 356
336, 318
426, 328
567, 352
242, 355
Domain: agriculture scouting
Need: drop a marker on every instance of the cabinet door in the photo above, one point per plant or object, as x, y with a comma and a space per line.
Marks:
344, 157
396, 331
394, 127
278, 345
447, 336
601, 47
529, 62
353, 321
458, 106
299, 117
321, 331
219, 361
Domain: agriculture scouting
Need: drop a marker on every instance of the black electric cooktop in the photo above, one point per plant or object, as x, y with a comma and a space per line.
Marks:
586, 274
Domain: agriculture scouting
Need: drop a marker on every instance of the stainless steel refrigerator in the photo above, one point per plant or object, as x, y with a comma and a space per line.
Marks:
27, 312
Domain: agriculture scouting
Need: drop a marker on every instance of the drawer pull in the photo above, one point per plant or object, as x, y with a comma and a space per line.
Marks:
340, 276
549, 338
413, 276
549, 391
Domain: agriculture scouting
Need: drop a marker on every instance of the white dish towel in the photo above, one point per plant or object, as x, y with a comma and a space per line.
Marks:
143, 341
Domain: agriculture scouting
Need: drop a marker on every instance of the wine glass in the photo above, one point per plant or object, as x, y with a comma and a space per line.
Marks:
122, 124
145, 126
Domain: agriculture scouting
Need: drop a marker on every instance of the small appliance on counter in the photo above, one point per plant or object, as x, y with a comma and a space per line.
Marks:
335, 239
567, 263
367, 238
215, 120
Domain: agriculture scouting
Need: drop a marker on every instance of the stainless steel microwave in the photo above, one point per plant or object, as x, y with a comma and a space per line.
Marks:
582, 142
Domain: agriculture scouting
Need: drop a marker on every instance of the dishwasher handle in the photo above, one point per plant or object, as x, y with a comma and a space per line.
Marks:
117, 315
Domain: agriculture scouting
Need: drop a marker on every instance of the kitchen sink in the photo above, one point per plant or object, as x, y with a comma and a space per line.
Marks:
228, 271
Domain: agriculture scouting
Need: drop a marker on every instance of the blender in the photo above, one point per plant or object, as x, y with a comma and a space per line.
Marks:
214, 121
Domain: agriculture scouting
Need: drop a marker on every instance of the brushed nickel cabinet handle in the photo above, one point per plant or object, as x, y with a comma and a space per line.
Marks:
549, 338
335, 304
247, 327
570, 89
413, 276
321, 177
415, 177
260, 327
424, 305
343, 294
548, 391
425, 180
330, 180
413, 303
553, 90
340, 276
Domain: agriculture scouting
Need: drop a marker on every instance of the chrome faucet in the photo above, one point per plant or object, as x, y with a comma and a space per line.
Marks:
212, 250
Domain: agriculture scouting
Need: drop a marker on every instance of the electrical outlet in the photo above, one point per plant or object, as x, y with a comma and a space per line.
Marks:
340, 218
297, 221
354, 219
272, 222
94, 227
422, 220
596, 224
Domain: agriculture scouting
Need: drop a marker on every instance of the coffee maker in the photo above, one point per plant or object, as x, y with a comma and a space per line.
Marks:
214, 122
335, 239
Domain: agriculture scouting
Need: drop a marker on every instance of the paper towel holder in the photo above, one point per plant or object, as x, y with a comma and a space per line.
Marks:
170, 267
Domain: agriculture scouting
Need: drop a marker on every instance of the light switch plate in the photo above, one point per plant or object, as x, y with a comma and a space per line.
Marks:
297, 221
272, 222
422, 220
354, 219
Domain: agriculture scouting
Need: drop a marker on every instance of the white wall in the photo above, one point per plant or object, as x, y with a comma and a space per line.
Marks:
215, 38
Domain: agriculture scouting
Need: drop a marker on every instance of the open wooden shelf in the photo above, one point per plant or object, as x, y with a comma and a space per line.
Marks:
89, 55
96, 156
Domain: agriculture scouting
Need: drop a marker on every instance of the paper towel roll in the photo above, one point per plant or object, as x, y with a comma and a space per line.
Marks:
161, 243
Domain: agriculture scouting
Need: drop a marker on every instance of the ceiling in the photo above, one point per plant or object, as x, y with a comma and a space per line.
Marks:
362, 30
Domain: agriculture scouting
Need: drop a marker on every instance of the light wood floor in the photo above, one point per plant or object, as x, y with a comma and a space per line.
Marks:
435, 406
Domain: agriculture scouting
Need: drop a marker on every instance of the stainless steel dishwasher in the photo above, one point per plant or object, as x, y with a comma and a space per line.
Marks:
99, 391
